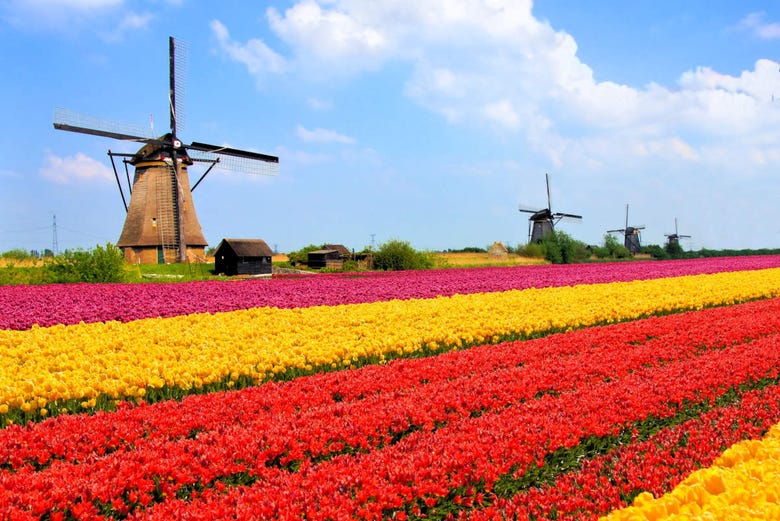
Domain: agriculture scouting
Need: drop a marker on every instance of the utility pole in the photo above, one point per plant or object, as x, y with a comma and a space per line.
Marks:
54, 246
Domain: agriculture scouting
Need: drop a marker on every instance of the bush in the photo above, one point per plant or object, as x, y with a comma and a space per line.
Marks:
98, 265
674, 249
399, 255
18, 254
532, 249
561, 248
655, 251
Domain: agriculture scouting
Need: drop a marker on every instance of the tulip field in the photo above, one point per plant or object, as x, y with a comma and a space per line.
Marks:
615, 391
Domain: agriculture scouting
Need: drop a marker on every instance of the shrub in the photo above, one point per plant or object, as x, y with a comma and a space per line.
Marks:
614, 248
655, 251
399, 255
17, 254
102, 264
560, 248
532, 249
674, 249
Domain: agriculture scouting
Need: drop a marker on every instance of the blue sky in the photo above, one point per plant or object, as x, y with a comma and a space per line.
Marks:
428, 121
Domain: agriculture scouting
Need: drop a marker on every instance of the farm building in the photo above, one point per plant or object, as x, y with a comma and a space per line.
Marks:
243, 257
330, 256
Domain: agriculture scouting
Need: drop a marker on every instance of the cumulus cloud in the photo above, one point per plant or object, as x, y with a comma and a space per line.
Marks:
321, 135
493, 62
74, 168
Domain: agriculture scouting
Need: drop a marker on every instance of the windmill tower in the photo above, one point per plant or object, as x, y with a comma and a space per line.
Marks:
543, 221
161, 223
673, 239
632, 240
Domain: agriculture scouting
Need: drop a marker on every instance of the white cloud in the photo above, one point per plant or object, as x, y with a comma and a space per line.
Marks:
754, 23
258, 58
321, 135
502, 113
319, 104
130, 22
492, 62
74, 168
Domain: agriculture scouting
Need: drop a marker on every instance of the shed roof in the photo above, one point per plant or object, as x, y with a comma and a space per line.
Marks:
247, 247
343, 250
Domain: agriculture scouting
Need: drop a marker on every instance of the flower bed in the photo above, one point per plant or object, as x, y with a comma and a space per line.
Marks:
451, 431
50, 305
75, 366
741, 484
526, 405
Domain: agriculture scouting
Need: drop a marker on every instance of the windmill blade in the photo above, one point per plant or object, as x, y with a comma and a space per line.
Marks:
616, 231
529, 209
235, 160
177, 62
626, 215
568, 216
73, 121
549, 200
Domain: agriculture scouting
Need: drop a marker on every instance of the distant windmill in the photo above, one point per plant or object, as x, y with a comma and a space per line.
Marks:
543, 221
632, 240
161, 224
674, 238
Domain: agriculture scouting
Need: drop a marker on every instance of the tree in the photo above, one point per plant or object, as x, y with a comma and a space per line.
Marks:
399, 255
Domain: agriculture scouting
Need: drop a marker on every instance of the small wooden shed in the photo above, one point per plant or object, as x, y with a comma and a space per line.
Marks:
329, 256
243, 257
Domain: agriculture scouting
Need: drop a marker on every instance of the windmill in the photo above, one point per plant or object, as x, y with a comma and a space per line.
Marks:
632, 240
543, 221
161, 223
674, 238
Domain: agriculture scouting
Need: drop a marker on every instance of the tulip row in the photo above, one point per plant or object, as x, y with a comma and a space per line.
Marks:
655, 465
50, 305
428, 462
470, 455
402, 395
741, 484
81, 363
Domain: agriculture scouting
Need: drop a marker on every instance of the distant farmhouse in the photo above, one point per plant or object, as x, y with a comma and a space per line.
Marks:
243, 257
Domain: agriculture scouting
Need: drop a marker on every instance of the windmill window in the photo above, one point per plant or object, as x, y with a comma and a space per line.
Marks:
154, 221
